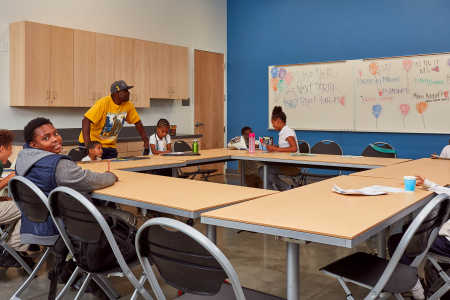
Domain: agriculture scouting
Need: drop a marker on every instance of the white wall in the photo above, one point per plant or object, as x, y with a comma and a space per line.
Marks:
197, 24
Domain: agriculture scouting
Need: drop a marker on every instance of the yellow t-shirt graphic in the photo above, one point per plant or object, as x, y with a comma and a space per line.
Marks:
108, 119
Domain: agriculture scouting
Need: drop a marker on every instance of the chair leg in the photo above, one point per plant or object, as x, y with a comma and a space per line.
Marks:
16, 256
399, 297
346, 289
109, 285
32, 275
102, 284
136, 292
83, 287
69, 283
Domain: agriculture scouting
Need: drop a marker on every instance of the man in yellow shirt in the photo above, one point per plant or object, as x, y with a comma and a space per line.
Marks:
103, 121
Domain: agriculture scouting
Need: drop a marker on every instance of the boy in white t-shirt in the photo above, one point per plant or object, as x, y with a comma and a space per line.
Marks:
287, 142
160, 141
94, 151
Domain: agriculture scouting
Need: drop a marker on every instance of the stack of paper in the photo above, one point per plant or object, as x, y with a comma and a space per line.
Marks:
368, 191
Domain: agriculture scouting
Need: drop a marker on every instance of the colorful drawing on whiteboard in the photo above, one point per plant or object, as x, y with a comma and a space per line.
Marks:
281, 73
377, 109
373, 69
274, 86
404, 111
448, 62
274, 72
288, 78
407, 64
360, 74
342, 101
421, 108
436, 69
290, 99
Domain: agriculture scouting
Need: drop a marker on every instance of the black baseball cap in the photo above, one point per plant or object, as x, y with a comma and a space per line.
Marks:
119, 86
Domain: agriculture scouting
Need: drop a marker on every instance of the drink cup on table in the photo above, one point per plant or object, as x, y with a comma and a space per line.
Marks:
410, 183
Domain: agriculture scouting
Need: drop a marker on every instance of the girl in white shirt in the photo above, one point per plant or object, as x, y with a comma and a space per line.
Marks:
287, 142
160, 141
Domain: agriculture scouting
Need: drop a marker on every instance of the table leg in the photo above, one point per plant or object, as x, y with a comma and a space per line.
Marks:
265, 185
381, 243
293, 271
211, 233
242, 162
174, 172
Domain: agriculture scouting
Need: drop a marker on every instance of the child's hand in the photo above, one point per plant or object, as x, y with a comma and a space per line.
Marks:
420, 179
167, 151
434, 155
271, 148
117, 178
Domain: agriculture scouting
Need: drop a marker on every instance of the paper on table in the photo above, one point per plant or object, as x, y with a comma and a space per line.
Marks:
350, 156
368, 191
4, 174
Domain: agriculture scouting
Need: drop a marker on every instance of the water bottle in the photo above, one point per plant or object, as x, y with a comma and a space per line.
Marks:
251, 143
195, 146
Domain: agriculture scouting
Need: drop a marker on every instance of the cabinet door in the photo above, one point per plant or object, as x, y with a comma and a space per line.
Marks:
179, 73
124, 60
30, 64
104, 64
61, 64
159, 71
141, 90
84, 68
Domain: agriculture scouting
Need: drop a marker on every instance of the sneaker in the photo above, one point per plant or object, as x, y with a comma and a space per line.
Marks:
34, 248
9, 261
418, 291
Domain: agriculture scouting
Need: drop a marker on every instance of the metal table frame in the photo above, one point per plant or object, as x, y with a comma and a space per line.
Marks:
293, 256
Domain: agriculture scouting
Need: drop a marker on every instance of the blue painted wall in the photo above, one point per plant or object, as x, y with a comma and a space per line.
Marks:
262, 33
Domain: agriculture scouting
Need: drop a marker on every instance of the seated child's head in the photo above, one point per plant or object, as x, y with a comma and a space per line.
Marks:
245, 131
162, 128
39, 133
94, 149
6, 138
278, 118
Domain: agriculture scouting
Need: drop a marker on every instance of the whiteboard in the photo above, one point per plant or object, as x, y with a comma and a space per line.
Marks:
314, 96
409, 94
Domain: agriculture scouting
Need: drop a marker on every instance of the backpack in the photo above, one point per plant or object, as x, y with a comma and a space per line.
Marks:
99, 256
432, 276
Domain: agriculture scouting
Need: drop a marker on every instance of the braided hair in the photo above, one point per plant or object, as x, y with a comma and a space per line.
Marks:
161, 123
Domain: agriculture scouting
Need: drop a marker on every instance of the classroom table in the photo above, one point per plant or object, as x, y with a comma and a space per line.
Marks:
181, 197
153, 163
315, 213
437, 170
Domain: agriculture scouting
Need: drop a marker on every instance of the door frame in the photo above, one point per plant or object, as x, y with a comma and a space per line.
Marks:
225, 103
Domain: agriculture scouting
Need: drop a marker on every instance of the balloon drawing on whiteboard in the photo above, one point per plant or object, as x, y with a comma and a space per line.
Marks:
290, 99
448, 62
421, 108
281, 73
288, 78
274, 86
407, 64
404, 111
274, 72
373, 69
377, 109
281, 86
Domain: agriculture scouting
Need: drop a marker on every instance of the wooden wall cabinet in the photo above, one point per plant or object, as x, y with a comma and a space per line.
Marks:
84, 68
141, 90
104, 64
179, 62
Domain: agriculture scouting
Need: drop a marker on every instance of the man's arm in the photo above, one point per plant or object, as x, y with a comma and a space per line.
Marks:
140, 128
86, 129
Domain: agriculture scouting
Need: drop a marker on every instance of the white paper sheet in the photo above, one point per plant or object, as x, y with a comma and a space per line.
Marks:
368, 191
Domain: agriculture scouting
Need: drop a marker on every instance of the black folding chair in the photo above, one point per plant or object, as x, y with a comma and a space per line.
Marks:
303, 147
323, 147
77, 153
188, 261
386, 277
182, 146
371, 152
78, 219
31, 202
4, 233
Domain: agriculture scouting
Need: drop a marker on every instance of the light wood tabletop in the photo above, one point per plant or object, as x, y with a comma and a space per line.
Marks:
437, 170
318, 210
155, 160
183, 194
326, 158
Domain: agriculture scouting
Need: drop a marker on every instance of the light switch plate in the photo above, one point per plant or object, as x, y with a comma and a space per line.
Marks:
4, 47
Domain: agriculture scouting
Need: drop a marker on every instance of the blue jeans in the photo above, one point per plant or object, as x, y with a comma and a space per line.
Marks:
107, 152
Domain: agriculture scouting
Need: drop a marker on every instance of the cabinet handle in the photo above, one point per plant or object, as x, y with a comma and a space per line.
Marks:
54, 95
98, 96
93, 96
131, 97
168, 88
172, 89
48, 94
135, 97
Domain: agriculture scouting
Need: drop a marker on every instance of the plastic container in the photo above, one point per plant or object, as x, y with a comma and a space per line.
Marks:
410, 183
195, 146
251, 143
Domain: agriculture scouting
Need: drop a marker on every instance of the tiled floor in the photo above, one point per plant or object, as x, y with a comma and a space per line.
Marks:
259, 260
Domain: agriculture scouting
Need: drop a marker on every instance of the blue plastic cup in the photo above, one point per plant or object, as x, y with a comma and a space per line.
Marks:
410, 183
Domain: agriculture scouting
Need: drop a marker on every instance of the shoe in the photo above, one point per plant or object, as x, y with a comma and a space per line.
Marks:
34, 248
418, 291
9, 261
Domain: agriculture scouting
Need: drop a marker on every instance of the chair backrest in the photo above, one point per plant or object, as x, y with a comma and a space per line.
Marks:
29, 198
418, 237
181, 146
146, 151
303, 146
369, 151
327, 147
185, 258
77, 153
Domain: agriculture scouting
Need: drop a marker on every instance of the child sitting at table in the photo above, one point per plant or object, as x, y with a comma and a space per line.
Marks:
287, 142
252, 178
94, 151
160, 143
445, 153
